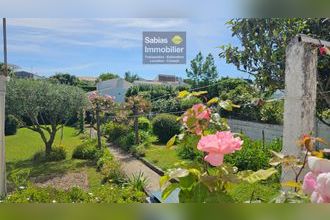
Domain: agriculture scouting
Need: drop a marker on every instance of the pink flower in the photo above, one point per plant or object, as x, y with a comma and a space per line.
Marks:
309, 184
197, 118
201, 111
317, 182
318, 165
217, 145
323, 185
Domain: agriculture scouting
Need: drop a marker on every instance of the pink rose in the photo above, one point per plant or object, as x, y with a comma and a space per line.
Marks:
309, 184
318, 165
217, 145
323, 185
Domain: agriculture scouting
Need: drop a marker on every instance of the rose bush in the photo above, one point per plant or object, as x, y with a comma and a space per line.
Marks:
210, 180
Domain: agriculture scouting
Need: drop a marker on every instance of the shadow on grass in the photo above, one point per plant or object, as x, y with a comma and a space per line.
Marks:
50, 169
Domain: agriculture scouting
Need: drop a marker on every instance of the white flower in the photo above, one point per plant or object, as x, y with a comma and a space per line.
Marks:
54, 201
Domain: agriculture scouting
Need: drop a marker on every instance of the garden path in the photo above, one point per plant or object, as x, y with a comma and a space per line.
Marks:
132, 166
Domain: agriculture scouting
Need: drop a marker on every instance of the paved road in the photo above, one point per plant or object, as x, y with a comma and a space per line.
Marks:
132, 166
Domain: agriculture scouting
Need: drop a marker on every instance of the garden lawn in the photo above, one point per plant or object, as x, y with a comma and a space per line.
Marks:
162, 157
21, 147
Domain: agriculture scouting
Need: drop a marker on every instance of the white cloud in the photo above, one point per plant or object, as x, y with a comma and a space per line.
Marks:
110, 33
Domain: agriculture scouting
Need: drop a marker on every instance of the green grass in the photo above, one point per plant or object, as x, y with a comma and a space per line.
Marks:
21, 147
26, 143
162, 157
243, 192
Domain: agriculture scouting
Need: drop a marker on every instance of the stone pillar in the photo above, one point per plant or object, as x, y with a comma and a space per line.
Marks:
300, 96
3, 189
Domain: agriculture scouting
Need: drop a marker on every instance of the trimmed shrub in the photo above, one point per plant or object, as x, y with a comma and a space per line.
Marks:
115, 130
88, 151
144, 124
253, 156
11, 124
57, 154
165, 126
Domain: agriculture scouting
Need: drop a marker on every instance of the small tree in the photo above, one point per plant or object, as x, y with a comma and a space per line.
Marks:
138, 105
106, 76
131, 77
100, 104
202, 72
65, 78
43, 107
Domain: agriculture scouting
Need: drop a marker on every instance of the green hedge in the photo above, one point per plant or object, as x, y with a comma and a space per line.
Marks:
11, 124
165, 126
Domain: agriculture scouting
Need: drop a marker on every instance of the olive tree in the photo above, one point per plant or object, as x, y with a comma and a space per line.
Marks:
43, 107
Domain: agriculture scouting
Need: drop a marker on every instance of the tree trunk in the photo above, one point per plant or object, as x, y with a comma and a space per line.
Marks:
50, 141
98, 126
136, 125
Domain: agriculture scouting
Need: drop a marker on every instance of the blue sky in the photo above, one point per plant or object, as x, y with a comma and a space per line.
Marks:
88, 47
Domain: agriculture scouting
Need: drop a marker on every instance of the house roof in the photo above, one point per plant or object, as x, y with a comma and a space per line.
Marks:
87, 78
113, 83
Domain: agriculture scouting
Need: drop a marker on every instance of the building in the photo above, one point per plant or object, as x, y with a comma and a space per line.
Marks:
114, 87
26, 75
118, 87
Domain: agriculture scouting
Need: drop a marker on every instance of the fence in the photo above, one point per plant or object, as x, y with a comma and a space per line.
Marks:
257, 130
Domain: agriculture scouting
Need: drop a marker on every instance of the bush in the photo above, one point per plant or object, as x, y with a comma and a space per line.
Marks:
144, 124
272, 112
126, 141
102, 160
57, 154
109, 193
186, 149
19, 178
189, 102
165, 126
112, 172
115, 130
11, 124
139, 151
253, 156
88, 151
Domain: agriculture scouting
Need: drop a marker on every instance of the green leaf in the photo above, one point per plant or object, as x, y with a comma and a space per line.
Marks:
260, 175
213, 101
183, 94
169, 189
228, 105
187, 182
178, 173
170, 143
163, 180
198, 93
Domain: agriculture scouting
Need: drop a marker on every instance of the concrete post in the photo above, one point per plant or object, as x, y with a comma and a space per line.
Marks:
300, 97
3, 188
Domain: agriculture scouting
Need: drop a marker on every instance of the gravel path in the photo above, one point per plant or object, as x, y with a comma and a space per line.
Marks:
132, 166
